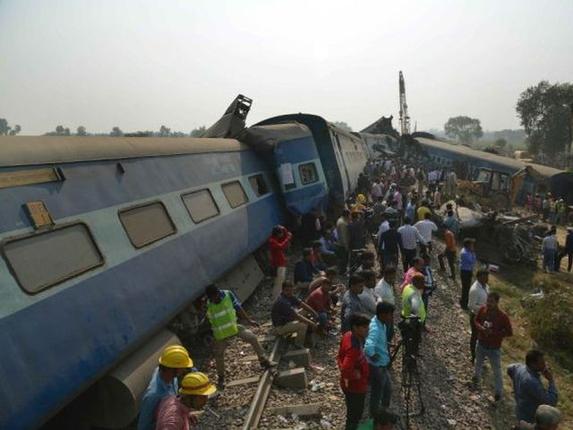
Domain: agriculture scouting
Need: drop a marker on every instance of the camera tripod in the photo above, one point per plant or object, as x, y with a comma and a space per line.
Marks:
411, 381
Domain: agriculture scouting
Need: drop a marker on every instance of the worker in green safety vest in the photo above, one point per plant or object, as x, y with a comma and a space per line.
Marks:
412, 303
222, 310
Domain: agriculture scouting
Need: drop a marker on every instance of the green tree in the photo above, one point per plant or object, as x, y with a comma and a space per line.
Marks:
116, 132
164, 131
545, 113
463, 128
342, 125
81, 131
4, 127
500, 143
15, 130
198, 132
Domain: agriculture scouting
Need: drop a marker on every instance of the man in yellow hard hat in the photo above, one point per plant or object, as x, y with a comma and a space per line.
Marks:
173, 363
175, 412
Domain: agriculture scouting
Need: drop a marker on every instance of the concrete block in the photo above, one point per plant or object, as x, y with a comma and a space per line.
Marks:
300, 357
302, 410
293, 378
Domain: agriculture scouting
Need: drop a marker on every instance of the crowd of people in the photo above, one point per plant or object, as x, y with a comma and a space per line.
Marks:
353, 277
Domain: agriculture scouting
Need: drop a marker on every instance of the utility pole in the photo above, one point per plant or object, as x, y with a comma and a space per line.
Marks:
404, 117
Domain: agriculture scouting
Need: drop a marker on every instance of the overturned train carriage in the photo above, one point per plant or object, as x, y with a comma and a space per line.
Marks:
105, 240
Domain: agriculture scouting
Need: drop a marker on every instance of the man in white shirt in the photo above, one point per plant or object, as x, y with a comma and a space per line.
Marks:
549, 248
384, 226
409, 238
384, 289
425, 227
368, 296
477, 298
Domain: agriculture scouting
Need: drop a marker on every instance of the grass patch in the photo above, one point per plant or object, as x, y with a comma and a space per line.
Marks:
545, 323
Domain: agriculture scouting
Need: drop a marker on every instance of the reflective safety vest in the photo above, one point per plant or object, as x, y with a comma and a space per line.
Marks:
223, 317
408, 296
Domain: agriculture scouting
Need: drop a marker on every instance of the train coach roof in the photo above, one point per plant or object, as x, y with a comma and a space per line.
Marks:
266, 137
545, 171
37, 150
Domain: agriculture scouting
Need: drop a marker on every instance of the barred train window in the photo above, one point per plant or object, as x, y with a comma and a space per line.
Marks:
42, 260
259, 185
308, 173
235, 194
200, 205
146, 224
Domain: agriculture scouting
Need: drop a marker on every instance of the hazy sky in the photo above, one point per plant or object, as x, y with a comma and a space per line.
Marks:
138, 64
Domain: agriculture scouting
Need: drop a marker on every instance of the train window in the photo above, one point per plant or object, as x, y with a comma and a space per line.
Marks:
146, 224
42, 260
200, 205
235, 194
259, 185
308, 173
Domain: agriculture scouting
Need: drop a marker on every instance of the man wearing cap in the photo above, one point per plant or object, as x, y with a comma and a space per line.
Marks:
222, 310
174, 362
546, 418
175, 412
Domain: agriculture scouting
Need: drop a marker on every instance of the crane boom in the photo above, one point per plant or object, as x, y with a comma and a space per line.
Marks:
404, 117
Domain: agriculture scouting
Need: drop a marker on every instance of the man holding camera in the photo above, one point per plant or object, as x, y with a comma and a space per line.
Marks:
377, 353
492, 326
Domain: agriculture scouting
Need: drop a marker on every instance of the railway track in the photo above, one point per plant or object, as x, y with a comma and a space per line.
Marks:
263, 390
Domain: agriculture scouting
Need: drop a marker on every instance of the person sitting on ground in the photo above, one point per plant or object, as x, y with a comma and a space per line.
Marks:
287, 319
176, 412
384, 289
173, 363
304, 270
528, 388
354, 368
416, 268
320, 301
377, 353
546, 418
426, 227
316, 256
368, 296
328, 249
493, 326
412, 302
450, 252
477, 298
223, 307
278, 244
351, 303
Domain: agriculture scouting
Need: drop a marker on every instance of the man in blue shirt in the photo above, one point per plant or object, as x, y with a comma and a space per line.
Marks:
174, 362
468, 261
304, 270
528, 388
377, 353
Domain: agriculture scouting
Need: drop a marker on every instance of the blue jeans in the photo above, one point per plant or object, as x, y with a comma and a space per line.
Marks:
380, 389
494, 357
323, 319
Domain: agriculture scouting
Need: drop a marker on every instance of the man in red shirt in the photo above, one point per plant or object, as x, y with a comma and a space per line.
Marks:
493, 326
354, 369
278, 243
321, 302
449, 253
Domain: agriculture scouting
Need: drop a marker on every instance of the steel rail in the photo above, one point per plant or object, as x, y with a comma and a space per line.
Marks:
263, 390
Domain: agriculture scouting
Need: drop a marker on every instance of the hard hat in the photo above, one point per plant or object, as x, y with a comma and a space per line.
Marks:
196, 383
361, 198
175, 357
